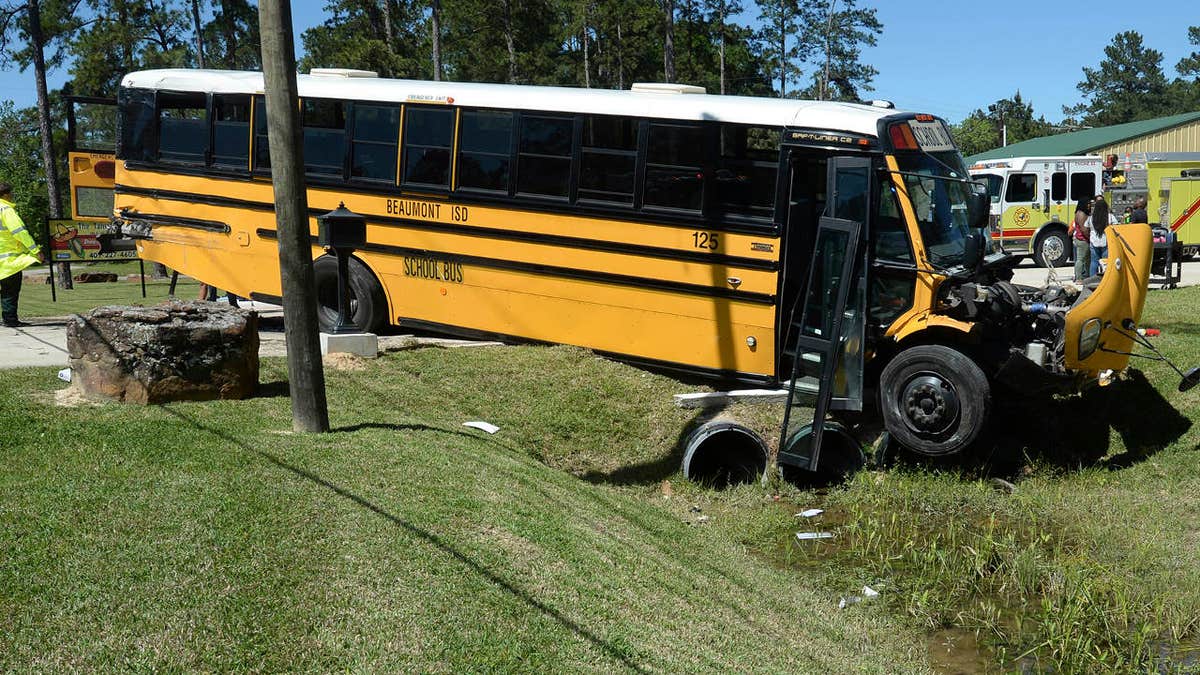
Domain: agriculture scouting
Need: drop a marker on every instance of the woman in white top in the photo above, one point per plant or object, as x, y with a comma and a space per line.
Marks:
1097, 224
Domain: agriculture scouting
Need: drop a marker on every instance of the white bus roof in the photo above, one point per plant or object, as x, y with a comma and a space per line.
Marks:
1023, 162
851, 117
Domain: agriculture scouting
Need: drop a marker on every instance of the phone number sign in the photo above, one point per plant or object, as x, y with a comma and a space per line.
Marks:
80, 240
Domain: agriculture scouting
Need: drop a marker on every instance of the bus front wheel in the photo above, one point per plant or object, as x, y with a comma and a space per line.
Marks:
1052, 248
935, 400
368, 305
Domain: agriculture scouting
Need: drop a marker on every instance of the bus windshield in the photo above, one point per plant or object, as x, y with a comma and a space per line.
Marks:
938, 187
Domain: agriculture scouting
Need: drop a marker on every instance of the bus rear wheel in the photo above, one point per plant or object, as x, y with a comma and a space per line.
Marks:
368, 305
935, 400
1052, 248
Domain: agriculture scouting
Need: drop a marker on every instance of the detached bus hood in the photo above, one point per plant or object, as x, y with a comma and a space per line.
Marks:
1107, 316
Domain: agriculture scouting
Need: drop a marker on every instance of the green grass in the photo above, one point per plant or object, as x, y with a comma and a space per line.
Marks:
207, 536
37, 300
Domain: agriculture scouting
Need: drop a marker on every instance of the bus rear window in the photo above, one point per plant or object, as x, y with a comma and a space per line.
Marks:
135, 125
182, 128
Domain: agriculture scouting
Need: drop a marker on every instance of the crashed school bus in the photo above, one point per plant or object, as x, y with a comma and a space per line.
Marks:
713, 235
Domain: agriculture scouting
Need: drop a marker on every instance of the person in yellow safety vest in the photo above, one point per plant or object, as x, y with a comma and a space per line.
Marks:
17, 251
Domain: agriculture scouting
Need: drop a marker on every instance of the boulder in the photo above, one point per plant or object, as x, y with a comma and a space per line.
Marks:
176, 351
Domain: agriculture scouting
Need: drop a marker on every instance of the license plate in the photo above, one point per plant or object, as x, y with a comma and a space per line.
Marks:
931, 136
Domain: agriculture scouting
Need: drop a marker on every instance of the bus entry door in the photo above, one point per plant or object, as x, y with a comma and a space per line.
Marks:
825, 334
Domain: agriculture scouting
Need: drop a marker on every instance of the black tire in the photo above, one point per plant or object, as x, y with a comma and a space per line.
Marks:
1052, 248
935, 400
368, 305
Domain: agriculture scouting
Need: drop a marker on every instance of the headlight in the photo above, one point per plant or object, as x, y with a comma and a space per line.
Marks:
1089, 338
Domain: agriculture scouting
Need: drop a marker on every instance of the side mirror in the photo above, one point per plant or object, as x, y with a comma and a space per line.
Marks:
979, 206
973, 248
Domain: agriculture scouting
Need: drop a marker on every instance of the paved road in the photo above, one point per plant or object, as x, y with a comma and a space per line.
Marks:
45, 342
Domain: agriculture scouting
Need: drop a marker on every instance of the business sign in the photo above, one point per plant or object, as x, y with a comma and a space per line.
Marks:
81, 240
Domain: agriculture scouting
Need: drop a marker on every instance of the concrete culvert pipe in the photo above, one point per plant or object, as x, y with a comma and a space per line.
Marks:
721, 454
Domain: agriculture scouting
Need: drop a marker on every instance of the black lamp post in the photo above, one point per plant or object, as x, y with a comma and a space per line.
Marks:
343, 231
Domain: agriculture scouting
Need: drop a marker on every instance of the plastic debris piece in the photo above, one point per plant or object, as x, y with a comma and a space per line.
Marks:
806, 536
65, 374
703, 519
809, 513
482, 426
869, 592
848, 600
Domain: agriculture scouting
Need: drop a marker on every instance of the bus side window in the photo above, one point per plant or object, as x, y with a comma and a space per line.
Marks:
485, 150
1083, 186
324, 136
182, 128
375, 144
608, 159
544, 163
1058, 186
675, 166
891, 290
135, 137
428, 136
747, 167
262, 150
231, 131
1022, 187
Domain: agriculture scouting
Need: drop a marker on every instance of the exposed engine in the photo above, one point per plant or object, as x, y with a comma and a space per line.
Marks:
1012, 319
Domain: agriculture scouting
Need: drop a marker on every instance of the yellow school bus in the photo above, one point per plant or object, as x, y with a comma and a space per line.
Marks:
835, 246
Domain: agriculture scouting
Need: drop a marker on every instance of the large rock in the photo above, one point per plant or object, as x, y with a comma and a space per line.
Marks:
176, 351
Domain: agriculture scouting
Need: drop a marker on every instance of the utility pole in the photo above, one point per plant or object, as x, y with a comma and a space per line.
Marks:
306, 376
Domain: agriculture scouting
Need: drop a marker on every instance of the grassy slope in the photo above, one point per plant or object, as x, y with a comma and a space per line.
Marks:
204, 536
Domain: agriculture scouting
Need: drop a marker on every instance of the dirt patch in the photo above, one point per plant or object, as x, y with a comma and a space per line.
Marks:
344, 361
73, 397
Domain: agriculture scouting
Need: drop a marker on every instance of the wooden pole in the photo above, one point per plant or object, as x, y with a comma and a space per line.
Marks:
306, 377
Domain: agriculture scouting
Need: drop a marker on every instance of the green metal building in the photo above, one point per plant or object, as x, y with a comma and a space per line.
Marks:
1175, 133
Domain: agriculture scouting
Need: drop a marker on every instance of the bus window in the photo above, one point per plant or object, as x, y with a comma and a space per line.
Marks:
892, 290
182, 128
1022, 187
485, 150
376, 139
231, 131
1058, 186
1083, 186
746, 171
675, 167
136, 125
608, 160
262, 150
428, 135
324, 136
544, 164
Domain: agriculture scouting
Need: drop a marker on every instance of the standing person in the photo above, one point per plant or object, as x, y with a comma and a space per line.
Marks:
1098, 223
17, 251
1139, 211
1079, 237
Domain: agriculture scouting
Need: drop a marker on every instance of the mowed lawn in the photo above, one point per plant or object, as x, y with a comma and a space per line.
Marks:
207, 536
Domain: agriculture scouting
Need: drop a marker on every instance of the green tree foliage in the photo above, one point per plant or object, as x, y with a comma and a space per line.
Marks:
231, 38
1007, 118
786, 39
21, 165
1129, 85
838, 34
381, 35
127, 35
1186, 88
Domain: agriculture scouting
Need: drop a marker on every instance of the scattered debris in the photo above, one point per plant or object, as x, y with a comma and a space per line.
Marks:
695, 508
482, 426
1002, 485
806, 536
65, 374
703, 519
869, 592
848, 600
809, 513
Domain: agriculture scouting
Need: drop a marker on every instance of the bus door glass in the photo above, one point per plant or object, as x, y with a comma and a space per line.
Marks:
92, 144
826, 330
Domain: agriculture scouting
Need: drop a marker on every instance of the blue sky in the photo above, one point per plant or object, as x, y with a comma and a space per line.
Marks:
946, 58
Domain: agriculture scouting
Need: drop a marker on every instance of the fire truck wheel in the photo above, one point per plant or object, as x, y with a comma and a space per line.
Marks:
1052, 248
935, 400
368, 305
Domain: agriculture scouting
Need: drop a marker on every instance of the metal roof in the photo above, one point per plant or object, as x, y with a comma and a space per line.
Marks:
852, 117
1086, 140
